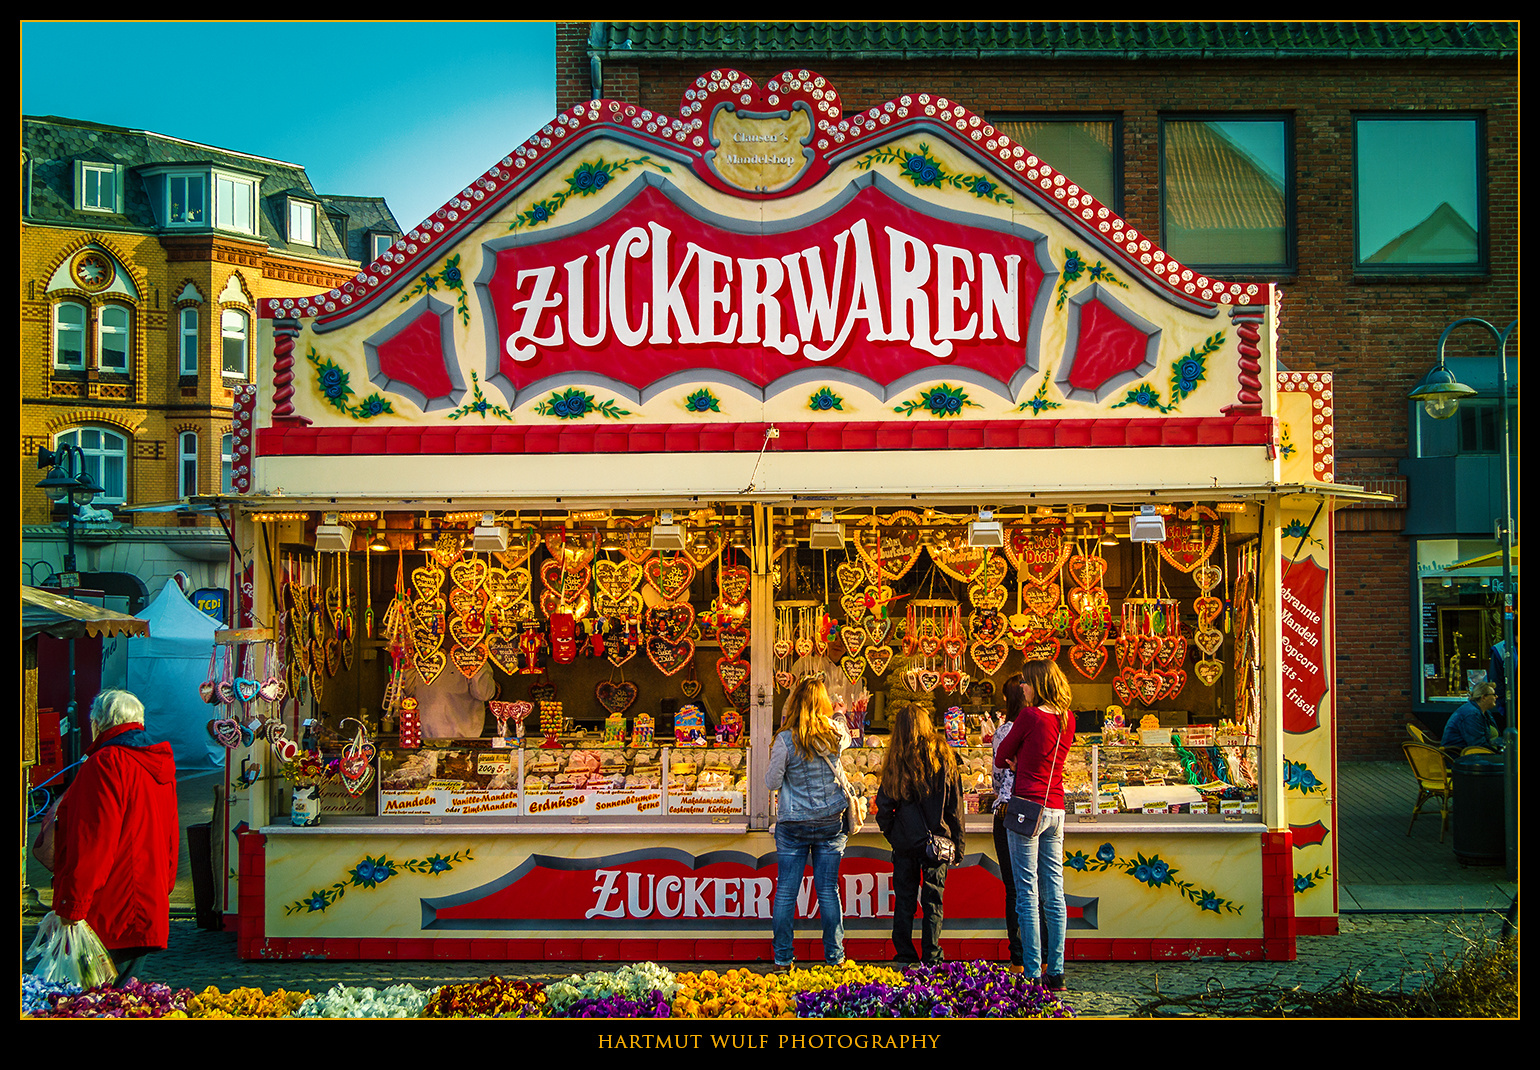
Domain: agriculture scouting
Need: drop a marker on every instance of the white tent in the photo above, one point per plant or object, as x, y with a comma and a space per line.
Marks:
165, 670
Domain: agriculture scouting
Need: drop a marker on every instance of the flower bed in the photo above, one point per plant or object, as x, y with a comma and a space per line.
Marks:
642, 990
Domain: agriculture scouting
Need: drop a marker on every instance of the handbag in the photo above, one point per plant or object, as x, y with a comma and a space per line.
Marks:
940, 849
43, 845
855, 806
1024, 816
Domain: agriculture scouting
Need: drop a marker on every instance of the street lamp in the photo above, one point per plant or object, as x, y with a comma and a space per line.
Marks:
67, 481
1440, 393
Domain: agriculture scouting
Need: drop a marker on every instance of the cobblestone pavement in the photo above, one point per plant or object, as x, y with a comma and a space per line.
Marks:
1383, 950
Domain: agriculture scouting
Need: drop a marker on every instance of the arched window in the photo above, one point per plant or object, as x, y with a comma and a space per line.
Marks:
233, 330
113, 339
106, 460
187, 343
69, 335
187, 464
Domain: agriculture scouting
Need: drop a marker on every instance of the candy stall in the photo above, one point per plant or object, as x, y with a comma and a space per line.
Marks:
543, 513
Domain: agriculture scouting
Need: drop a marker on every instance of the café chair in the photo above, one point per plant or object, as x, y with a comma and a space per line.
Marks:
1431, 768
1417, 734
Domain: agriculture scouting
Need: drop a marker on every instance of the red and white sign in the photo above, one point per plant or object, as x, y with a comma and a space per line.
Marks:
874, 287
1304, 645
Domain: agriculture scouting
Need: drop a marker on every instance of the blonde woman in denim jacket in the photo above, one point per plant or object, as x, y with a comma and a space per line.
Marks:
810, 814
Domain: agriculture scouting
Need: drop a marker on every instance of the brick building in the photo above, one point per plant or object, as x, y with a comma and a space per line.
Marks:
142, 259
1370, 170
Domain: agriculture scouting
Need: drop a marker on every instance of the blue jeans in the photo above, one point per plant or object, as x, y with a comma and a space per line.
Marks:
794, 842
1038, 863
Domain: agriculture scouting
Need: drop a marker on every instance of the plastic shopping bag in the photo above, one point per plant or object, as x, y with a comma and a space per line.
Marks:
71, 951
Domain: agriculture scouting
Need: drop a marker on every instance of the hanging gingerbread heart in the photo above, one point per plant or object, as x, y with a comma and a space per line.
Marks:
878, 657
669, 657
877, 629
616, 697
993, 598
732, 672
1208, 609
447, 548
733, 641
617, 651
1209, 671
1087, 570
1172, 652
615, 579
504, 653
246, 689
671, 578
1122, 687
1043, 650
781, 647
357, 763
1039, 549
1084, 599
1040, 599
1191, 537
853, 639
429, 663
785, 680
629, 604
469, 660
854, 605
470, 573
671, 622
1209, 640
1148, 686
986, 627
949, 682
572, 549
522, 543
989, 656
1174, 680
274, 689
226, 732
928, 679
633, 534
1207, 577
705, 546
889, 545
733, 583
1088, 660
578, 605
852, 576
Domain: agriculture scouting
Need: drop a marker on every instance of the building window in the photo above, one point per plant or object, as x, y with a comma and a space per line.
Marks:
98, 187
69, 334
379, 245
113, 338
1227, 193
106, 460
227, 464
1086, 150
234, 203
188, 341
1418, 194
187, 195
1459, 595
233, 334
187, 466
301, 222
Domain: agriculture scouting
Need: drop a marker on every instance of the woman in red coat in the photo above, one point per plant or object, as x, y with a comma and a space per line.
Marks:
115, 848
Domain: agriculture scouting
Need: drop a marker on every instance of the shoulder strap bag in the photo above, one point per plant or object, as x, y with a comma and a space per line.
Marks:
1025, 816
855, 806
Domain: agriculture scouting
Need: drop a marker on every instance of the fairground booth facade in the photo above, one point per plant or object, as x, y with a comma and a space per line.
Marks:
544, 510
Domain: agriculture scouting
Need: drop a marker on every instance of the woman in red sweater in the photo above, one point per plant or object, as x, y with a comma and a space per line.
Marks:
1038, 743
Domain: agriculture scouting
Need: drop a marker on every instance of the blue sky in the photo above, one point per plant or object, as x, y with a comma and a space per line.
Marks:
411, 111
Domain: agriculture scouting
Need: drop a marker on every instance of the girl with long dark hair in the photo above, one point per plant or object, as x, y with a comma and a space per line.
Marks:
1004, 781
920, 796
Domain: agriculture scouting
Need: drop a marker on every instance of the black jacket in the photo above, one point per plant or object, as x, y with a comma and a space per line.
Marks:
907, 825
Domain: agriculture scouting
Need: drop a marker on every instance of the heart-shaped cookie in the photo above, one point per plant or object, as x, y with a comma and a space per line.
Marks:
1209, 640
1090, 628
574, 549
429, 663
629, 604
578, 605
226, 732
669, 657
274, 689
988, 597
1087, 570
705, 546
989, 656
616, 697
633, 534
616, 579
890, 545
1088, 660
1209, 671
948, 548
781, 647
1042, 650
226, 692
690, 687
670, 578
617, 651
928, 680
247, 689
1040, 600
503, 652
469, 573
877, 629
522, 542
854, 605
1122, 687
732, 672
1208, 608
467, 631
1207, 577
950, 681
733, 641
1148, 686
852, 576
1174, 680
784, 681
733, 583
1191, 537
468, 659
853, 666
1085, 599
671, 622
878, 657
803, 646
1039, 549
986, 627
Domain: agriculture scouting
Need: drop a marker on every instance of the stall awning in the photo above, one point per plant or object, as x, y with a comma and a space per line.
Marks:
51, 613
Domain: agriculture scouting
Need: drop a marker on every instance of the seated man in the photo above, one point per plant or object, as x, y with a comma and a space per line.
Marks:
1471, 726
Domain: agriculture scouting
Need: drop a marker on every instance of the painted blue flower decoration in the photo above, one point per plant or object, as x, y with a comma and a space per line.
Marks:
983, 187
317, 901
1073, 266
1189, 370
451, 276
702, 401
1209, 901
333, 382
1298, 776
1105, 853
1302, 883
372, 871
824, 399
1077, 860
438, 864
540, 213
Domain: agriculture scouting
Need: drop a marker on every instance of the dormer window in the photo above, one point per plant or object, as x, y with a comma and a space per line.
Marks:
379, 244
98, 187
220, 199
301, 222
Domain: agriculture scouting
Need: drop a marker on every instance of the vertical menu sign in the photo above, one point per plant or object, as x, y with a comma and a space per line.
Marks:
1304, 645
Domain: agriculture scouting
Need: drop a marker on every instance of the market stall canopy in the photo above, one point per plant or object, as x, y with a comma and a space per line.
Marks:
51, 613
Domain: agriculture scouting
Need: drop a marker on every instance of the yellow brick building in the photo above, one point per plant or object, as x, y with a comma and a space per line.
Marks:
143, 257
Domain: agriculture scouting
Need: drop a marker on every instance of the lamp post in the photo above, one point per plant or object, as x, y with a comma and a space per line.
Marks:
1440, 393
68, 481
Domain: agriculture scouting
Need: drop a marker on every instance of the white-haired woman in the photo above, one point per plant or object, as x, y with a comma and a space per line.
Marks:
115, 850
